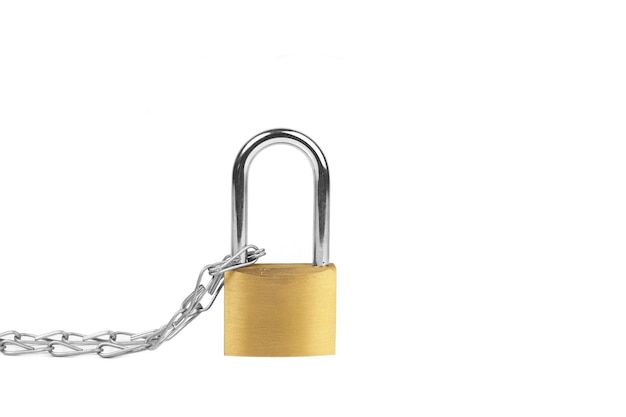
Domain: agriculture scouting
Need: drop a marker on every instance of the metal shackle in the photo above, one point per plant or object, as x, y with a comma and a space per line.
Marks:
321, 189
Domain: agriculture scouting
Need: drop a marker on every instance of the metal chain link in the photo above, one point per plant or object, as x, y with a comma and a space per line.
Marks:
110, 344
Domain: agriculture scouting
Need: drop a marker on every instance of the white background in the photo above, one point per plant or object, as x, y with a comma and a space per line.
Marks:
478, 200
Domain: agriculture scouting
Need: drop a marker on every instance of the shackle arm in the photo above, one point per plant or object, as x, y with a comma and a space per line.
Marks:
321, 189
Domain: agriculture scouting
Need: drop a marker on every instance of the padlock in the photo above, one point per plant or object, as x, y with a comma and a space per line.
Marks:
281, 309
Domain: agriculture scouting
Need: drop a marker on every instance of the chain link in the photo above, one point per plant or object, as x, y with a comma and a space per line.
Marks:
110, 344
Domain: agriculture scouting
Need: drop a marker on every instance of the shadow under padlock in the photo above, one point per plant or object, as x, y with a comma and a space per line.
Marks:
281, 309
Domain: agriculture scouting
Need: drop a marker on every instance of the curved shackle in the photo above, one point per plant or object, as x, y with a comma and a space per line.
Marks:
321, 189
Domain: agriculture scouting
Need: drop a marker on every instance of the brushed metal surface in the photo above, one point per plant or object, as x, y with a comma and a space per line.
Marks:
280, 310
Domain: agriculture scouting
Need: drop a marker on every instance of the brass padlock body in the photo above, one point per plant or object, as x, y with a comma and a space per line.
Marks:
280, 310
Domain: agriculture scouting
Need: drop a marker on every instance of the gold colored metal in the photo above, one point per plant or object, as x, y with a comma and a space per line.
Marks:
280, 310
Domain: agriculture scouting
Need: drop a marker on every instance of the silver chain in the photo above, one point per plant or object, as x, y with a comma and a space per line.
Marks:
110, 344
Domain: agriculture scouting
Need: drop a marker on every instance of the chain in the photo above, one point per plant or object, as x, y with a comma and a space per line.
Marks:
110, 344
